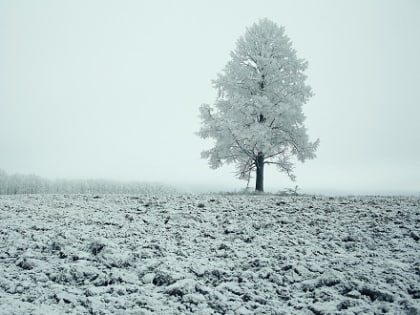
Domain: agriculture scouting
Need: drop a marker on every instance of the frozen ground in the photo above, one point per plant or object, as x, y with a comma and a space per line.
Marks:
209, 254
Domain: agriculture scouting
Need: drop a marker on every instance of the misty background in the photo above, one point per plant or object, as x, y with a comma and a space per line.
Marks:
111, 89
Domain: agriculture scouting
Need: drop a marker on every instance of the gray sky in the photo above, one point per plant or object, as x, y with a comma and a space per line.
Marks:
111, 89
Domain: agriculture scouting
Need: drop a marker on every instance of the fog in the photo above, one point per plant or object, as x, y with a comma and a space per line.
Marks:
111, 89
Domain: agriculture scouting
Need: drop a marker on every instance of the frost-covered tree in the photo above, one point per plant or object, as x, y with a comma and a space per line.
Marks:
257, 118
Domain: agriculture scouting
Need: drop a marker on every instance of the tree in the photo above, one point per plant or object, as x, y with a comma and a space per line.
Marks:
257, 118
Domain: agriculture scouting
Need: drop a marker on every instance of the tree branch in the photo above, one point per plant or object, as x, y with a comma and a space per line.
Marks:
288, 170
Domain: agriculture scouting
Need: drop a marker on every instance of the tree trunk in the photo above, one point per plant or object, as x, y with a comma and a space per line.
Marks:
259, 184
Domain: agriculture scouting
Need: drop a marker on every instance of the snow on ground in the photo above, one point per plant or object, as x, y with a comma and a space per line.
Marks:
209, 254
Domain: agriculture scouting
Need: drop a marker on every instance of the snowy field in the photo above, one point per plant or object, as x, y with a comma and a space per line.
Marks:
209, 254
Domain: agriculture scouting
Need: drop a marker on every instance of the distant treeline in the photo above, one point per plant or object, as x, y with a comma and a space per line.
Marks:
33, 184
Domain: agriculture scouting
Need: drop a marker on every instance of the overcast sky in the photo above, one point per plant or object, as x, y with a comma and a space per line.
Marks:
111, 89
